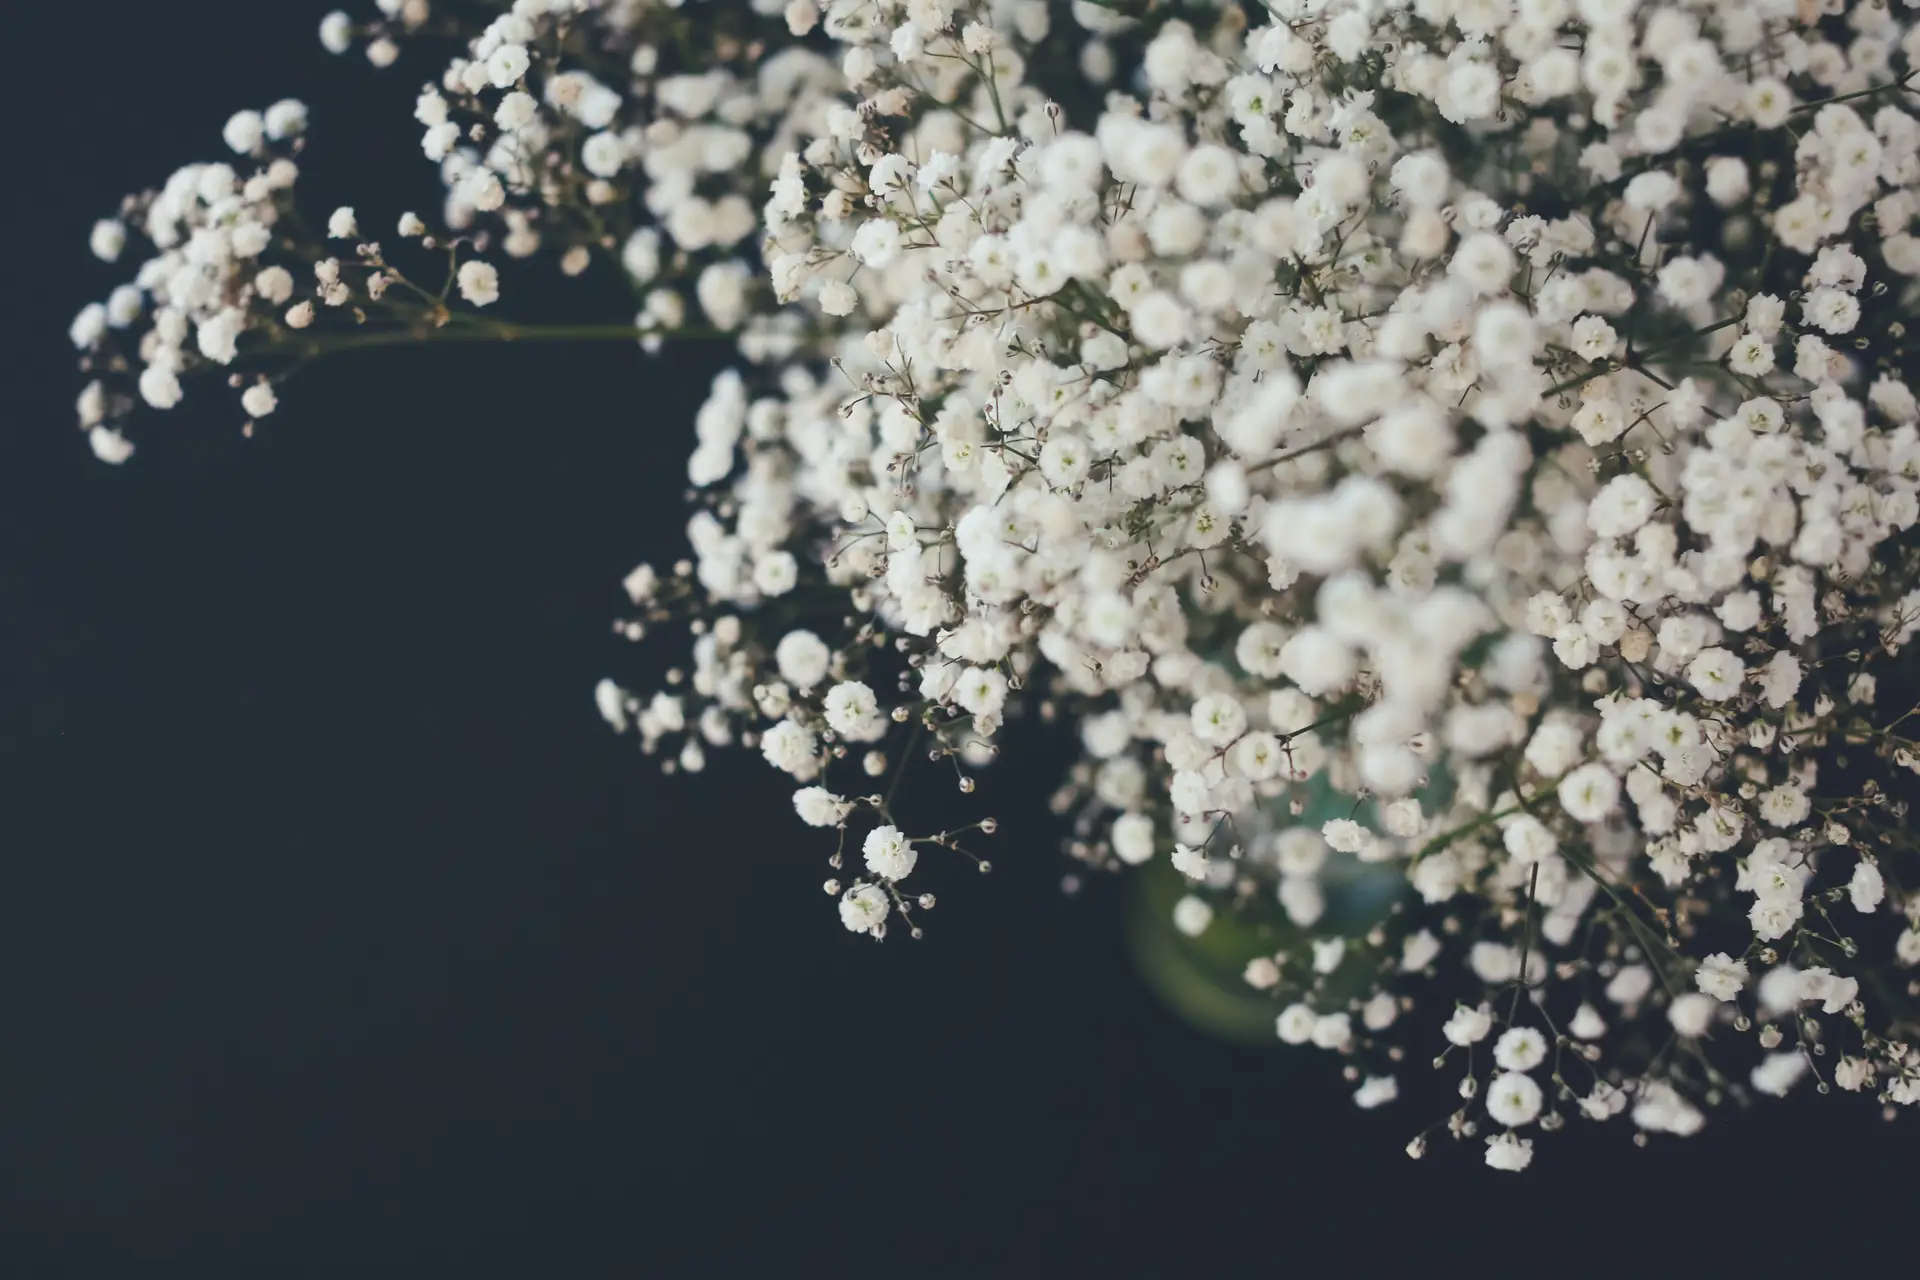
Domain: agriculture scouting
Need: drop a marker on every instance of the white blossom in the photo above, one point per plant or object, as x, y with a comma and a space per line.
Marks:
888, 853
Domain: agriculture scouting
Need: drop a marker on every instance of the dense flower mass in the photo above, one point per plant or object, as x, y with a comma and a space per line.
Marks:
1492, 415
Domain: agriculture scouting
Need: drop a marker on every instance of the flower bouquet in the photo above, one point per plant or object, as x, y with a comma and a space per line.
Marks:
1450, 464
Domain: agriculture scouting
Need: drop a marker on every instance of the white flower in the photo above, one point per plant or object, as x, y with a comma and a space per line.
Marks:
791, 749
1631, 985
286, 118
1659, 1108
1771, 917
801, 16
1594, 338
1192, 915
864, 909
1419, 950
1509, 1152
479, 283
1376, 1091
837, 298
1513, 1099
218, 336
1261, 973
1258, 756
802, 658
1590, 793
853, 712
1691, 1013
484, 191
1295, 1024
1208, 175
1621, 507
89, 325
1784, 806
819, 807
1906, 947
1520, 1049
981, 691
506, 65
888, 853
1778, 1073
776, 573
1219, 719
109, 445
516, 111
108, 239
902, 533
159, 386
341, 224
1468, 1026
1866, 888
1190, 862
1833, 992
1344, 835
611, 701
603, 155
1750, 355
1686, 281
336, 32
1132, 838
1852, 1074
1717, 674
1159, 321
259, 400
1831, 310
1333, 1031
876, 243
1721, 976
1472, 92
244, 131
1599, 421
1768, 102
275, 284
1482, 262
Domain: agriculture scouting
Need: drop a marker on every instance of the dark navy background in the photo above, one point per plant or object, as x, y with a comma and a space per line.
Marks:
338, 937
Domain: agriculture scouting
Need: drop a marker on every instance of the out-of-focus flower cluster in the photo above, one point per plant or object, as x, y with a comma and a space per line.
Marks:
1495, 413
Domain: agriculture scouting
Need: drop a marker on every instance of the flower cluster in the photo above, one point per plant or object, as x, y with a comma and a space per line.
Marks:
1464, 445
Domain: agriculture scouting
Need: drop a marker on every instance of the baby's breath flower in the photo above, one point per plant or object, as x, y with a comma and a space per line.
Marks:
889, 854
258, 400
1721, 976
479, 283
1509, 1152
1520, 1049
864, 909
1469, 1026
336, 32
1513, 1099
1517, 543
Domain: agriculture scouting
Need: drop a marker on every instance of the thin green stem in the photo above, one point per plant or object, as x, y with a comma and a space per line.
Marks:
1526, 946
1486, 819
489, 331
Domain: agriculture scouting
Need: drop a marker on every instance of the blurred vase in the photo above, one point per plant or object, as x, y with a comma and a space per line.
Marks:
1202, 978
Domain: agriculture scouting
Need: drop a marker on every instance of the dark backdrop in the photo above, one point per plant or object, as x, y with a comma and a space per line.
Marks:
338, 937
